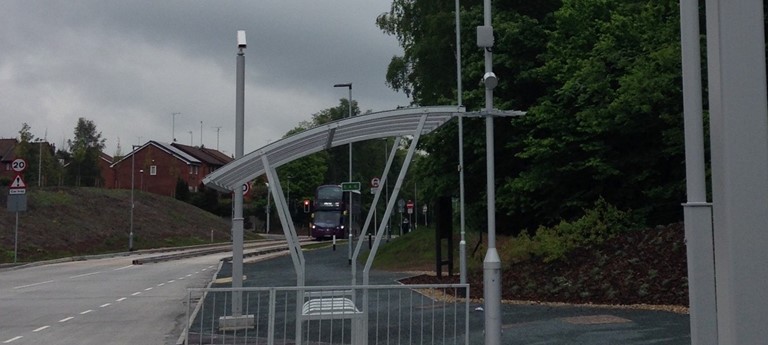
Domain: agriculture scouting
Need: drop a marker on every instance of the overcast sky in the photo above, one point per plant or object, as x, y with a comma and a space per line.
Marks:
129, 65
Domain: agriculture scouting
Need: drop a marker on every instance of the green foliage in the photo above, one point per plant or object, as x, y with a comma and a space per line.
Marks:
85, 150
598, 224
182, 190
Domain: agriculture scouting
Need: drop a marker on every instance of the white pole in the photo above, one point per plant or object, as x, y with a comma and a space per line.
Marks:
492, 262
463, 242
702, 295
237, 217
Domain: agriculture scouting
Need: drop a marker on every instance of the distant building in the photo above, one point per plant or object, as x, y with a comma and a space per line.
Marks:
7, 155
107, 173
158, 166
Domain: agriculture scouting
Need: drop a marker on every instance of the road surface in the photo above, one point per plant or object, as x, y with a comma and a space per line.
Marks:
104, 301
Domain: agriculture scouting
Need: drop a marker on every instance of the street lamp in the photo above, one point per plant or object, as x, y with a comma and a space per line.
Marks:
268, 207
39, 160
141, 185
133, 169
349, 85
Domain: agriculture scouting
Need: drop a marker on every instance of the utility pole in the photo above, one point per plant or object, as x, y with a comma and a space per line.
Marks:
218, 128
173, 127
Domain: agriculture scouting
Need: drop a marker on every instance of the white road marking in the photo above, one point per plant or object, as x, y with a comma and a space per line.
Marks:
12, 340
189, 275
40, 329
105, 305
171, 281
67, 319
121, 299
84, 275
86, 312
35, 284
204, 269
136, 293
122, 268
147, 289
180, 278
161, 284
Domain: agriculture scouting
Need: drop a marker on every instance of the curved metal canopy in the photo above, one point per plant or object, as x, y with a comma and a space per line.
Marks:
399, 122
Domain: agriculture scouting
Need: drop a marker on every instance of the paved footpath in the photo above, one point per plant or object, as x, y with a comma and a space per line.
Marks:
521, 324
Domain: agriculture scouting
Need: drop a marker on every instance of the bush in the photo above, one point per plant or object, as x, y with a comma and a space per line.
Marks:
600, 223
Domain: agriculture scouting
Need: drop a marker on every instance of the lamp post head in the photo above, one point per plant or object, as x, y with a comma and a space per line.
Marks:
349, 85
241, 39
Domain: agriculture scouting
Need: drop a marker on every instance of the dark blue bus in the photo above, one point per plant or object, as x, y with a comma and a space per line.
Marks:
329, 213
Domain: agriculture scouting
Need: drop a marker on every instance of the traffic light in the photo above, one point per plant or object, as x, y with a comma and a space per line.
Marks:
306, 205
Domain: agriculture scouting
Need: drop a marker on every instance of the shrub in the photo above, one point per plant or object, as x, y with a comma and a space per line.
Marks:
598, 224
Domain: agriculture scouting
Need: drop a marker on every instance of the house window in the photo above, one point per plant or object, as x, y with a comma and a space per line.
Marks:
153, 170
194, 169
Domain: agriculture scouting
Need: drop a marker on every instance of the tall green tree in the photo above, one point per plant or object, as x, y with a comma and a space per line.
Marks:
427, 71
85, 148
610, 126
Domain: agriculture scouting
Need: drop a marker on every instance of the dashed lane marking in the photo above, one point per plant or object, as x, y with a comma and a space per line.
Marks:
121, 299
147, 289
161, 284
66, 319
84, 275
86, 312
124, 267
136, 293
40, 329
31, 285
105, 305
12, 340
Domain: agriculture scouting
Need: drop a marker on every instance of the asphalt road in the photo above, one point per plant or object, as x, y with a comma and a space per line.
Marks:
104, 301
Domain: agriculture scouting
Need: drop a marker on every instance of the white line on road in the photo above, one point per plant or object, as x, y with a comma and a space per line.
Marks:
84, 275
121, 299
136, 293
122, 268
35, 284
161, 284
105, 305
67, 319
86, 312
171, 281
12, 340
189, 275
147, 289
40, 329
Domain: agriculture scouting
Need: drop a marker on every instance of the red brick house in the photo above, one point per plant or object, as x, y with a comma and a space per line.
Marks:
7, 155
157, 167
107, 173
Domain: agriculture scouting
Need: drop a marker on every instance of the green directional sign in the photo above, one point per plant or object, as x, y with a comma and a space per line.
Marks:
350, 186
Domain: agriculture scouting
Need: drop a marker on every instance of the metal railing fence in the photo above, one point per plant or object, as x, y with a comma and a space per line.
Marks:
360, 315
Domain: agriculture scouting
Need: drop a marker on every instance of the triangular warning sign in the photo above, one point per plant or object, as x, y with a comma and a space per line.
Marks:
18, 182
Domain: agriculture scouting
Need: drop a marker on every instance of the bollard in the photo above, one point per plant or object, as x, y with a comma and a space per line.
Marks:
334, 243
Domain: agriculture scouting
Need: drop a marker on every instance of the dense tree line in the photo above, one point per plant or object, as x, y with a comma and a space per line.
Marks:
600, 81
75, 165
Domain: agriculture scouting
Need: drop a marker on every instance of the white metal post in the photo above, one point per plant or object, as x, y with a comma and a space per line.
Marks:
492, 262
237, 217
697, 212
462, 242
739, 137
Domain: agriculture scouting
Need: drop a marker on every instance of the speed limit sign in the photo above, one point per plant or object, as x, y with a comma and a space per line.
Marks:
18, 165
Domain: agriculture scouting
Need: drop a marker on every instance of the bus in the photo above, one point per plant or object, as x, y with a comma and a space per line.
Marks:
329, 213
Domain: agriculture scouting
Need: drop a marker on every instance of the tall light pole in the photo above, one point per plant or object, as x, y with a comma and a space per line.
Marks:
133, 205
191, 139
269, 206
39, 160
462, 242
492, 262
173, 126
349, 85
237, 215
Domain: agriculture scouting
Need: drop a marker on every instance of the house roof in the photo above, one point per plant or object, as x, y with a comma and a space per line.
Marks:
206, 155
105, 157
383, 124
7, 147
168, 148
